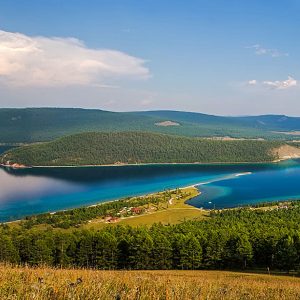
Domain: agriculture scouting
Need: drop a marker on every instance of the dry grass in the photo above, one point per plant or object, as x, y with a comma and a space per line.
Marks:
286, 152
45, 283
169, 216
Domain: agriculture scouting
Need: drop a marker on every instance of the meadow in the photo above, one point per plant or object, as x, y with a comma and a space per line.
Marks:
46, 283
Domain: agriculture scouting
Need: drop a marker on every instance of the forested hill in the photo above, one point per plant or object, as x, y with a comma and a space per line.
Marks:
44, 124
96, 148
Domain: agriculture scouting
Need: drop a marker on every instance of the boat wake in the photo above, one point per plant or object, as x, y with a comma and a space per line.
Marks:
227, 177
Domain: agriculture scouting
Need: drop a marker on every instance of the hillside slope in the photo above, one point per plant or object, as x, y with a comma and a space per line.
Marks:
44, 124
261, 122
138, 147
46, 283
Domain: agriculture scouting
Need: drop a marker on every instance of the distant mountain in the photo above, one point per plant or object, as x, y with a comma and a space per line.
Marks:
266, 122
272, 122
44, 124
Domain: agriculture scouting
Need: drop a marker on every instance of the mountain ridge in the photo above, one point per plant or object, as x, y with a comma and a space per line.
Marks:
27, 125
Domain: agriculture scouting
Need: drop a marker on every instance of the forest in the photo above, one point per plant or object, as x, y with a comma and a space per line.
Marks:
99, 148
231, 239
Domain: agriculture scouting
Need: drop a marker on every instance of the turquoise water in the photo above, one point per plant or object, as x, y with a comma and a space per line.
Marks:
31, 191
272, 184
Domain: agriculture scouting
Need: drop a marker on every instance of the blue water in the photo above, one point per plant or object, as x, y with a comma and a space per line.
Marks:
5, 148
282, 182
31, 191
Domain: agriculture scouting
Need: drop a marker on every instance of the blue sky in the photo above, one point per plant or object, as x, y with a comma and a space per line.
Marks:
220, 57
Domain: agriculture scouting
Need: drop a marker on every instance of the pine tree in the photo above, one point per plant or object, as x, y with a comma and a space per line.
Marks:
8, 252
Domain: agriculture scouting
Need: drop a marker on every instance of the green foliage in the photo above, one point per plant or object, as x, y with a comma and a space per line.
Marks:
188, 252
232, 239
238, 251
286, 252
138, 147
8, 252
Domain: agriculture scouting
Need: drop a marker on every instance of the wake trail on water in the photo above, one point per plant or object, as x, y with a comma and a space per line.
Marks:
227, 177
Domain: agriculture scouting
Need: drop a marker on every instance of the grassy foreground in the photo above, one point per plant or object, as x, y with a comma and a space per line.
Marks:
45, 283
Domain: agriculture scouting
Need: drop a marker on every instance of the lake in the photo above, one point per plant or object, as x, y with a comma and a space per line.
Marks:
30, 191
4, 148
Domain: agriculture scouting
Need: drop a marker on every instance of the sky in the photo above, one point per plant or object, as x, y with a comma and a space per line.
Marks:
234, 57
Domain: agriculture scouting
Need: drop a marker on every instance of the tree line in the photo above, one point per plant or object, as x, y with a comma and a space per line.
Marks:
234, 239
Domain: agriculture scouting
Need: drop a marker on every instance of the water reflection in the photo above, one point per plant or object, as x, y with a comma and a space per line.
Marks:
101, 174
29, 187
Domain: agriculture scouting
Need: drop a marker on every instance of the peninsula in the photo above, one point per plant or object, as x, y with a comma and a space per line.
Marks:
119, 148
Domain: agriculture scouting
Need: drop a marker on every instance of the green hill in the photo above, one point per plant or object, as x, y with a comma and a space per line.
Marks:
43, 124
263, 122
138, 147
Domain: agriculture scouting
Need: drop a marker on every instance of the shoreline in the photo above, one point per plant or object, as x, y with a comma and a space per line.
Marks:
109, 201
195, 185
259, 205
151, 164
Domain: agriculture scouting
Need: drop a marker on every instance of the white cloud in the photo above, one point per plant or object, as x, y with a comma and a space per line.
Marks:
43, 61
146, 102
252, 82
259, 50
276, 85
281, 85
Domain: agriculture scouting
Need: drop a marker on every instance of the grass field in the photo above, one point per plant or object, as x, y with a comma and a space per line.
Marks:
169, 216
168, 213
45, 283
